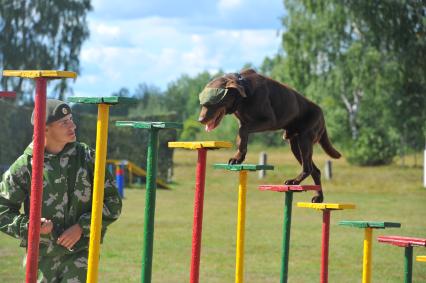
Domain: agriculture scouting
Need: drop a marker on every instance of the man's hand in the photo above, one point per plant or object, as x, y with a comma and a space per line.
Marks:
70, 236
46, 226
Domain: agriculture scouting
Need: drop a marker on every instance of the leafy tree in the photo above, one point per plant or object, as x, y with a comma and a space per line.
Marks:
41, 34
182, 95
364, 61
151, 101
191, 128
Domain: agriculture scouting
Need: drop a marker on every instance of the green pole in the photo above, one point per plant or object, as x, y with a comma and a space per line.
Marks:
286, 236
408, 266
150, 206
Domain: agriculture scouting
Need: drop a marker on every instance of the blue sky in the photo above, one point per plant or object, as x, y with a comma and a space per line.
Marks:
155, 42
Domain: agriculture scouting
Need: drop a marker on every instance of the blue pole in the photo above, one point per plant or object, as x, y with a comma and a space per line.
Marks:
119, 178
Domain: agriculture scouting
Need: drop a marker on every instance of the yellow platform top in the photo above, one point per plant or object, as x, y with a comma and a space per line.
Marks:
32, 74
421, 258
323, 206
201, 144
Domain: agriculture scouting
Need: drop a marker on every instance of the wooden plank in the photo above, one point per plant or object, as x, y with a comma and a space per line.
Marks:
8, 94
323, 206
289, 188
32, 74
102, 100
402, 241
200, 144
243, 167
370, 224
149, 125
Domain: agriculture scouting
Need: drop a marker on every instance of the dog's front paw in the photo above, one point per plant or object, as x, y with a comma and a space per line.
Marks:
238, 158
292, 182
233, 161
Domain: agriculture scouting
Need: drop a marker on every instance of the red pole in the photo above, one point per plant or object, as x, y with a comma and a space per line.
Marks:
36, 181
325, 242
198, 215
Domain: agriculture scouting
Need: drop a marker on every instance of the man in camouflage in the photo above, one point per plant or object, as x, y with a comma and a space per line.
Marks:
66, 207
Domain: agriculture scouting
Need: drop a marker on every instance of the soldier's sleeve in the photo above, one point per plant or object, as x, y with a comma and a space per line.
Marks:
14, 189
111, 208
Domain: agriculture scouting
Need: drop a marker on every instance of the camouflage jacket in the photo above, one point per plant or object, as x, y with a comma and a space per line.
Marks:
67, 196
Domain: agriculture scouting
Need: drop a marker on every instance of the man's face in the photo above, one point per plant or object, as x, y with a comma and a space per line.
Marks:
61, 131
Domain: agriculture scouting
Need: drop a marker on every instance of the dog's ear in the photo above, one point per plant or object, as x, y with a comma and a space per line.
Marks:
232, 83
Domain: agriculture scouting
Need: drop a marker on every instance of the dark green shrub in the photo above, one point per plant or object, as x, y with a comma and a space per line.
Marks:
372, 147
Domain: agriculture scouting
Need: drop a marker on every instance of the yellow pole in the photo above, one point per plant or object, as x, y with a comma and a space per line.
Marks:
129, 168
242, 192
366, 265
98, 193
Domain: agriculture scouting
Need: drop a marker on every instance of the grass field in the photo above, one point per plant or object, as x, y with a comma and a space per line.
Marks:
387, 193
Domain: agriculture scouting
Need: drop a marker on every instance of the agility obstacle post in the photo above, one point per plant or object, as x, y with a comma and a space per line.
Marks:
197, 226
41, 78
151, 177
407, 243
241, 218
99, 180
421, 258
326, 214
119, 178
368, 227
289, 190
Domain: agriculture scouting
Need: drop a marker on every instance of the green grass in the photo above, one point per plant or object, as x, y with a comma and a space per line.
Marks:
387, 193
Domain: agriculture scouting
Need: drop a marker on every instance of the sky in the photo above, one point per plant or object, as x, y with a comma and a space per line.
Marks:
157, 41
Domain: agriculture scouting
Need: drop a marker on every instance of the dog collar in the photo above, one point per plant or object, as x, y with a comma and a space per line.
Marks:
242, 82
211, 95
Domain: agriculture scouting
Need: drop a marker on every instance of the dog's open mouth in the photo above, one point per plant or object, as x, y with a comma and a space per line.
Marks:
213, 123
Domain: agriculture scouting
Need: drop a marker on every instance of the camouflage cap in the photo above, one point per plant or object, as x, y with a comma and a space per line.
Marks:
55, 110
211, 95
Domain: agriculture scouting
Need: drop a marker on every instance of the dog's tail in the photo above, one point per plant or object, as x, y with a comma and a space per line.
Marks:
328, 147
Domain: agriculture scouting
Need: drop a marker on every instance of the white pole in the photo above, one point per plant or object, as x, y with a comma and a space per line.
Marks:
328, 170
263, 157
424, 169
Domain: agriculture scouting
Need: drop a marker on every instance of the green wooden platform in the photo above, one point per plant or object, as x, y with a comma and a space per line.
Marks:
149, 125
370, 224
102, 100
243, 167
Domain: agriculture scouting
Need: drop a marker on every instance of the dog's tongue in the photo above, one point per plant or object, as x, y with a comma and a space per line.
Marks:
210, 126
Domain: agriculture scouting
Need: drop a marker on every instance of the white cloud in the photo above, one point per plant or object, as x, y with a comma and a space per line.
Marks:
103, 29
226, 5
157, 50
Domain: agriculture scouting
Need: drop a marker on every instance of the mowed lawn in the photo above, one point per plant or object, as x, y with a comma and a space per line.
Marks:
384, 193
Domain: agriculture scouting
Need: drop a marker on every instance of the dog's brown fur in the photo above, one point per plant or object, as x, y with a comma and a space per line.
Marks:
262, 104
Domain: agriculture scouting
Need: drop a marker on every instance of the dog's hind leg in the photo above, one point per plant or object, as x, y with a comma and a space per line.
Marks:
302, 148
303, 153
316, 175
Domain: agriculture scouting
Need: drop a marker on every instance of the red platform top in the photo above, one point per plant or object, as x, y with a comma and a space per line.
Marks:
289, 188
402, 241
9, 94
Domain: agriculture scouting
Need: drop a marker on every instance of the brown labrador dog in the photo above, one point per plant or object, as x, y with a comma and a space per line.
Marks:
262, 104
